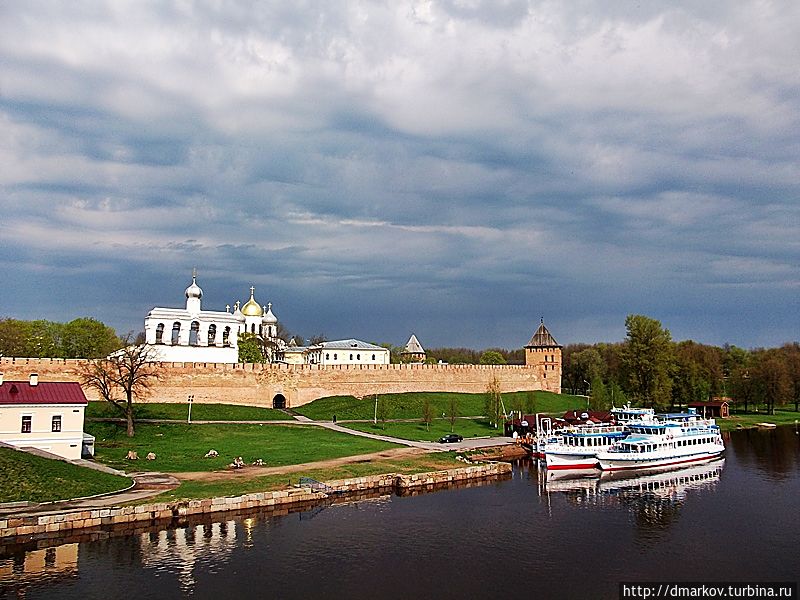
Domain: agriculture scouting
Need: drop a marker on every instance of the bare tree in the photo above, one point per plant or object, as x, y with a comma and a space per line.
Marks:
126, 375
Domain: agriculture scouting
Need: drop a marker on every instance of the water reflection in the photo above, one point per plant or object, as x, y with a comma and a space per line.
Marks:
654, 498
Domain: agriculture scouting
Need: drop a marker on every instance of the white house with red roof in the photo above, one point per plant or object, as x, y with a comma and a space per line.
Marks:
47, 415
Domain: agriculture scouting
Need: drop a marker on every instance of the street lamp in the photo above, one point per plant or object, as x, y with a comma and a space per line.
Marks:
191, 399
589, 390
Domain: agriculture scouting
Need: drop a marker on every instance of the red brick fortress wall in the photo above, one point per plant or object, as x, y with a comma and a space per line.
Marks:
258, 385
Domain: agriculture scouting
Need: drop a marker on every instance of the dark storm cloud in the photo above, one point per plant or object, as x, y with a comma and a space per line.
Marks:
455, 168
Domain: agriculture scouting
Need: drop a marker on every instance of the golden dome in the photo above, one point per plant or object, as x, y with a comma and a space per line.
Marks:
251, 307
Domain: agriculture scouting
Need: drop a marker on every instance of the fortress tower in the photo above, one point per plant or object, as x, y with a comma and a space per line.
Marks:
544, 352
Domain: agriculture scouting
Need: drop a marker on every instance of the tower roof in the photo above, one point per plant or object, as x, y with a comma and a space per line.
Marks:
542, 338
413, 346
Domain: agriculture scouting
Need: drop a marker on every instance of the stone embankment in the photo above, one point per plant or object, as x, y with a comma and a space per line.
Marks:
54, 525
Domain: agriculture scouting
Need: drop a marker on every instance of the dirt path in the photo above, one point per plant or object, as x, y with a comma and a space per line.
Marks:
250, 472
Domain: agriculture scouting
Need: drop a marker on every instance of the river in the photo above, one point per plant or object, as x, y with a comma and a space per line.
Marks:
736, 519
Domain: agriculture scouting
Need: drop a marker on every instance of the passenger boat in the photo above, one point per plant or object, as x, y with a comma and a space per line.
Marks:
577, 447
672, 439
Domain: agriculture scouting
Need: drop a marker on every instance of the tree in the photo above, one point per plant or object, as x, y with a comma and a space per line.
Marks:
88, 338
452, 412
648, 361
129, 372
530, 403
427, 413
492, 357
773, 383
383, 411
493, 403
250, 350
13, 337
599, 399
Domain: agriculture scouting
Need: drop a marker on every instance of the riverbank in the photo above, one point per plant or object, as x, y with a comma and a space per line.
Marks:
53, 525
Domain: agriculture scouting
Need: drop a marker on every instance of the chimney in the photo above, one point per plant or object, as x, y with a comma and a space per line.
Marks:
34, 379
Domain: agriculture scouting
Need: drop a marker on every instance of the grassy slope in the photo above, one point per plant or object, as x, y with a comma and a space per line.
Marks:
409, 405
181, 447
417, 431
179, 412
422, 464
24, 476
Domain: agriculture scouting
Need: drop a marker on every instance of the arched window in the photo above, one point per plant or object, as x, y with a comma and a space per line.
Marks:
334, 357
358, 357
160, 333
351, 357
327, 356
193, 333
373, 357
212, 334
176, 333
226, 337
252, 328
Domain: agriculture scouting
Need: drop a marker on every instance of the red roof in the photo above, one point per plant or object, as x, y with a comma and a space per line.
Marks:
47, 392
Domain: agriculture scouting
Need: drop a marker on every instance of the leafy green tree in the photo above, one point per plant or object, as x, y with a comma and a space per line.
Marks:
492, 357
648, 361
743, 387
427, 413
250, 350
43, 339
588, 365
616, 395
13, 337
772, 380
599, 400
88, 338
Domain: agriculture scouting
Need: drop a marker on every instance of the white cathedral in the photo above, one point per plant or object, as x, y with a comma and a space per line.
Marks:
194, 335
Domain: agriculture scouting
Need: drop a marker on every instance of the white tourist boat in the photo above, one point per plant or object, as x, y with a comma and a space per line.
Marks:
673, 439
577, 447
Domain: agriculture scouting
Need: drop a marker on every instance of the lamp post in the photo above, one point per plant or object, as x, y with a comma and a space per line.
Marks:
191, 399
375, 418
589, 394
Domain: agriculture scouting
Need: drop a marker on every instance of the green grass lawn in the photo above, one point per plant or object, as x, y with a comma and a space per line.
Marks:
180, 412
781, 417
409, 405
25, 477
181, 447
421, 464
416, 431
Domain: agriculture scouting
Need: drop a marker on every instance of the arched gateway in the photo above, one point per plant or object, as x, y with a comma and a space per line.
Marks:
279, 401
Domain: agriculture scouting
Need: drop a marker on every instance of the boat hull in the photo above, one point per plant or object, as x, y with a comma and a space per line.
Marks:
558, 460
630, 461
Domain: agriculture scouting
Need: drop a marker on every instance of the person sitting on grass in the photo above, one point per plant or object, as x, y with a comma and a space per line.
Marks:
237, 463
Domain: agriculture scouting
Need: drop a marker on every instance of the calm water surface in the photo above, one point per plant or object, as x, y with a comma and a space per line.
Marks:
735, 519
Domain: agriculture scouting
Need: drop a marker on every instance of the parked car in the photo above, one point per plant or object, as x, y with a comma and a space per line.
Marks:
451, 438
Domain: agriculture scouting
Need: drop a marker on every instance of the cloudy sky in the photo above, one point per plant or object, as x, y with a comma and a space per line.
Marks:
453, 168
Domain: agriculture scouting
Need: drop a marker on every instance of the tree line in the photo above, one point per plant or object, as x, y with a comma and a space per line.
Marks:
80, 338
649, 369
